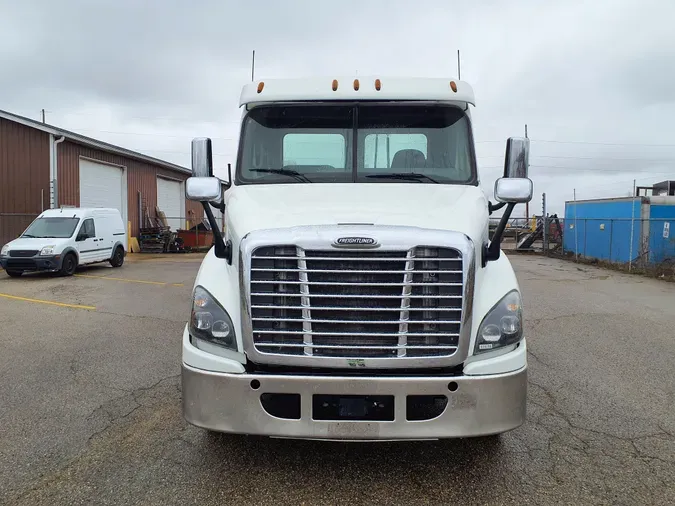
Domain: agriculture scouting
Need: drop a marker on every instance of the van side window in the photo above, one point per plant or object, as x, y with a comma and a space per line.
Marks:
88, 229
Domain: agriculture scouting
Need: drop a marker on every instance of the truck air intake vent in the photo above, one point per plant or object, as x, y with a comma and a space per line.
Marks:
355, 303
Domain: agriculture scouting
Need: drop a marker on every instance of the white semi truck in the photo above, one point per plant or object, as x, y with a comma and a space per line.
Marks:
355, 292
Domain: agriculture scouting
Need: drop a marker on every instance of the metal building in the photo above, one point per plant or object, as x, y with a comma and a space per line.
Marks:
622, 230
43, 166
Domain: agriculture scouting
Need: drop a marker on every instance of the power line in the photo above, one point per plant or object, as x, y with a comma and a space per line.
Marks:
592, 158
148, 134
582, 169
606, 143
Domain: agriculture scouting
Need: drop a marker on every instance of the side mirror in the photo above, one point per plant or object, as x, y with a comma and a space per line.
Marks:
513, 190
80, 237
202, 157
517, 161
204, 189
515, 187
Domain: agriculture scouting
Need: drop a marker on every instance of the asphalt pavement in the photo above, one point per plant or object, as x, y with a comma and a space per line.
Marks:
90, 404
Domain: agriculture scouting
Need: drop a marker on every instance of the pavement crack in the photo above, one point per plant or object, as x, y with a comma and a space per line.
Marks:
122, 407
148, 317
536, 321
534, 355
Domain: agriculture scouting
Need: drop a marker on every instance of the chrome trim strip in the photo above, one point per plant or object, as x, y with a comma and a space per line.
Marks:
336, 296
365, 334
391, 238
342, 271
405, 305
367, 322
360, 347
327, 283
304, 302
372, 259
406, 301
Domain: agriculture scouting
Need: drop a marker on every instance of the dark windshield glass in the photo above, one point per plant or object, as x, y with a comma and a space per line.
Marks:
429, 140
347, 143
52, 227
312, 141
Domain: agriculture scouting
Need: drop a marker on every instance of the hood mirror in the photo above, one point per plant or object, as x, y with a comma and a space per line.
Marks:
515, 187
202, 157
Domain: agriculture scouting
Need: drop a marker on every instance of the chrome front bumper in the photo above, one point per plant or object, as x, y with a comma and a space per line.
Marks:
480, 405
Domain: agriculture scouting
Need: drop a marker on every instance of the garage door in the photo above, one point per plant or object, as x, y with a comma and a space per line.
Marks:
102, 185
171, 201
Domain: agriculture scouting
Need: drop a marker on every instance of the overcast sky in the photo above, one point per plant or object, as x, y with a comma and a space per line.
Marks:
594, 80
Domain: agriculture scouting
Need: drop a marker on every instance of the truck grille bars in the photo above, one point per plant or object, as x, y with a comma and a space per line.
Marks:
356, 304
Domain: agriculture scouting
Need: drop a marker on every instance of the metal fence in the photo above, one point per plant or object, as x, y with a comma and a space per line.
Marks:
12, 225
645, 243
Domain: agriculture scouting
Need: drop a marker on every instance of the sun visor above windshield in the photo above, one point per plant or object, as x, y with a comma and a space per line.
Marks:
357, 88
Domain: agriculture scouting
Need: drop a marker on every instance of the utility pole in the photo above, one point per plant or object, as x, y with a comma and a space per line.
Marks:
576, 229
544, 221
632, 228
253, 67
527, 204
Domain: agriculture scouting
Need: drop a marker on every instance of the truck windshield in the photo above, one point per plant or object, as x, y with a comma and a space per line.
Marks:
52, 227
368, 142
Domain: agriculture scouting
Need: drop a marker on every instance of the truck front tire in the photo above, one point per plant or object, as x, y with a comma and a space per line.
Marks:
14, 274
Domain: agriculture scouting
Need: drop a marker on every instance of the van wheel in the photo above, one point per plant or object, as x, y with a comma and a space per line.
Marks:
14, 274
118, 257
69, 265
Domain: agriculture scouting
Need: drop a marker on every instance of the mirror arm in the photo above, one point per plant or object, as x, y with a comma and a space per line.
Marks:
220, 206
495, 207
492, 252
222, 250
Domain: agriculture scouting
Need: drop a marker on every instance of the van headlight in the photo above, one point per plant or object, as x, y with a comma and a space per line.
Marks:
4, 251
47, 251
209, 321
503, 325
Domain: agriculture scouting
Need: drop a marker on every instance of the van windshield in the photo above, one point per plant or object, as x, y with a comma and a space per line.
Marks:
59, 227
367, 142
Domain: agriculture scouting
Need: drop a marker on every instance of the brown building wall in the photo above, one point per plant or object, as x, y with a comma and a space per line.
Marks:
141, 176
24, 177
24, 168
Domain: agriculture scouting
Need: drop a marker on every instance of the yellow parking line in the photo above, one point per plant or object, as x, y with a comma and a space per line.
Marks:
51, 303
126, 280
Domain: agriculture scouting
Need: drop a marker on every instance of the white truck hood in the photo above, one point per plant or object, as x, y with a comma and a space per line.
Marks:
435, 206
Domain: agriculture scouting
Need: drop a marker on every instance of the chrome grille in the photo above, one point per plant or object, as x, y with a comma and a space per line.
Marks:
356, 303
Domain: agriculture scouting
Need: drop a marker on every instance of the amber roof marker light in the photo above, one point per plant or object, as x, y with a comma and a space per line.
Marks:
335, 85
356, 85
378, 84
261, 85
453, 86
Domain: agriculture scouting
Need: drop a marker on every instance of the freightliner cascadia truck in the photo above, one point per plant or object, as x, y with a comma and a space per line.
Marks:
354, 291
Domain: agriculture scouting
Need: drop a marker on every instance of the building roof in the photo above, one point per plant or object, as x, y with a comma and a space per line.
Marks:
391, 88
88, 141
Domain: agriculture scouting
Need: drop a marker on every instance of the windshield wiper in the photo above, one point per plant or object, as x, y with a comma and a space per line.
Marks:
29, 236
410, 176
284, 172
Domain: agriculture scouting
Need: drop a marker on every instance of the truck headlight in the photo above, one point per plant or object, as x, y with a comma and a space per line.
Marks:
209, 321
47, 251
4, 251
503, 325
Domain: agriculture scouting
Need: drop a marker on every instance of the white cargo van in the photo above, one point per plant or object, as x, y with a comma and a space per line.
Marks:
59, 240
355, 292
